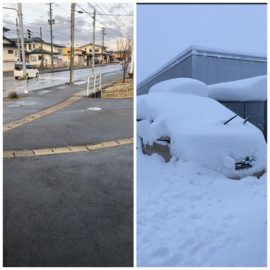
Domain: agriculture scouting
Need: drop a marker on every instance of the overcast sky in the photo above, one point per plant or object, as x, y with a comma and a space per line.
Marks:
163, 31
117, 20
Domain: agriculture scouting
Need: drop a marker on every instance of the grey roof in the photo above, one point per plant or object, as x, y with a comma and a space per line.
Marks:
198, 50
36, 39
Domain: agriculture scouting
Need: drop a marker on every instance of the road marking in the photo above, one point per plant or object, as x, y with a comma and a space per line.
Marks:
66, 150
29, 118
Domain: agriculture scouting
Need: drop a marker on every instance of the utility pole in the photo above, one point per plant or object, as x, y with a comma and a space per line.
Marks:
18, 41
51, 21
103, 33
41, 43
20, 15
93, 47
71, 67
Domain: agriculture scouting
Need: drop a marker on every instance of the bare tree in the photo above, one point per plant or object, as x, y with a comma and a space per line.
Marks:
124, 48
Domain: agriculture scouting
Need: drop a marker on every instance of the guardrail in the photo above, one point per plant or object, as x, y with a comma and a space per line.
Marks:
93, 84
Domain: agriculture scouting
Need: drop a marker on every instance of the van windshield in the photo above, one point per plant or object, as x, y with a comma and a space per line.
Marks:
18, 67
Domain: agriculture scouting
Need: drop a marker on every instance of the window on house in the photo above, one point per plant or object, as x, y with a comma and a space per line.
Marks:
96, 50
10, 51
90, 50
34, 46
33, 58
30, 46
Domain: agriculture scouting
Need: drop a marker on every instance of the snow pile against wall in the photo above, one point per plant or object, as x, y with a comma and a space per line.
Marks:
181, 85
252, 89
196, 127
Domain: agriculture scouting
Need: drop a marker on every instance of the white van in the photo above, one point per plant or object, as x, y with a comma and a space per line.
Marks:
31, 71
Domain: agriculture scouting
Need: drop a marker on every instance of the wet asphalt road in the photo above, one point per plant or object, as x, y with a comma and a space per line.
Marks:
72, 209
53, 79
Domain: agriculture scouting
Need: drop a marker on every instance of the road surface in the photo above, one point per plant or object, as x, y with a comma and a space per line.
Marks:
74, 208
53, 79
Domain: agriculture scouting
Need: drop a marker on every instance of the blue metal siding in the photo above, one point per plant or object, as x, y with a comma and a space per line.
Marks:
182, 69
211, 70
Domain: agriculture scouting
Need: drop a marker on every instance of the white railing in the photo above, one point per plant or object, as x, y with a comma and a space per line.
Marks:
93, 84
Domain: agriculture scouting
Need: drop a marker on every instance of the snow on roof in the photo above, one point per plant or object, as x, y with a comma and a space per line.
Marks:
200, 50
251, 89
180, 85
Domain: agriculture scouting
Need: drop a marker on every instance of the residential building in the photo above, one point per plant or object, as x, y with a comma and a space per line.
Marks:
79, 56
34, 52
10, 52
100, 53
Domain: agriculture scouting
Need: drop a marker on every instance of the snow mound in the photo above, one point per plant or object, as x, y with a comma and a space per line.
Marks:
180, 85
196, 127
251, 89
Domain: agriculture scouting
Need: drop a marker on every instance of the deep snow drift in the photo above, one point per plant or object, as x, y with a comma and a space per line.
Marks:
190, 216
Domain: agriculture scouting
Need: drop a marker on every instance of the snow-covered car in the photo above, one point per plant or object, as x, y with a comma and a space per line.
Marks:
200, 129
31, 71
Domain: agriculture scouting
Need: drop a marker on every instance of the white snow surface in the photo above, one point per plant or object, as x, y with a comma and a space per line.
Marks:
180, 85
191, 216
251, 89
196, 127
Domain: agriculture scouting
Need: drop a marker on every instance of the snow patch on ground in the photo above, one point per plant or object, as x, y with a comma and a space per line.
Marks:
188, 215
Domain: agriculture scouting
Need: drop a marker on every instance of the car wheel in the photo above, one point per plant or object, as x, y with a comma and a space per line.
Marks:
16, 78
37, 74
27, 76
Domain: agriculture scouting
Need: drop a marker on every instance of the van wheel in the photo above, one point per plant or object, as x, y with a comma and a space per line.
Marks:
37, 75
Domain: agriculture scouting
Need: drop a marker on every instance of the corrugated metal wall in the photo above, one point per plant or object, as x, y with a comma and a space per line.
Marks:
182, 69
257, 110
210, 69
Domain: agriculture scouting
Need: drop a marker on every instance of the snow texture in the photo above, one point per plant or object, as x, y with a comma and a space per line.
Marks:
191, 216
181, 85
251, 89
196, 127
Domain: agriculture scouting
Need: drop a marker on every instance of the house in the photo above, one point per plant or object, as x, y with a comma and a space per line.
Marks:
209, 66
33, 52
79, 56
10, 52
100, 53
119, 55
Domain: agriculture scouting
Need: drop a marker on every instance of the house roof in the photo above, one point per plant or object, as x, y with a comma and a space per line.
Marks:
39, 51
10, 42
37, 39
204, 51
96, 45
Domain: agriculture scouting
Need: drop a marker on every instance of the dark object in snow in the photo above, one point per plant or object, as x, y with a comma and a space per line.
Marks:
246, 120
229, 120
163, 150
164, 139
13, 94
138, 119
244, 164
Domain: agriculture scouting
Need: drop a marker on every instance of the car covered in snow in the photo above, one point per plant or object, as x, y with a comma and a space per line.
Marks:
196, 128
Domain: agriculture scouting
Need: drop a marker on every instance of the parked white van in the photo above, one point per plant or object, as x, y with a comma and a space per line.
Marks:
31, 71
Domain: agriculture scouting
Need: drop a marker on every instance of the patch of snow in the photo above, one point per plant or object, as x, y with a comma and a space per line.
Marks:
180, 85
80, 82
251, 89
196, 127
189, 216
94, 109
